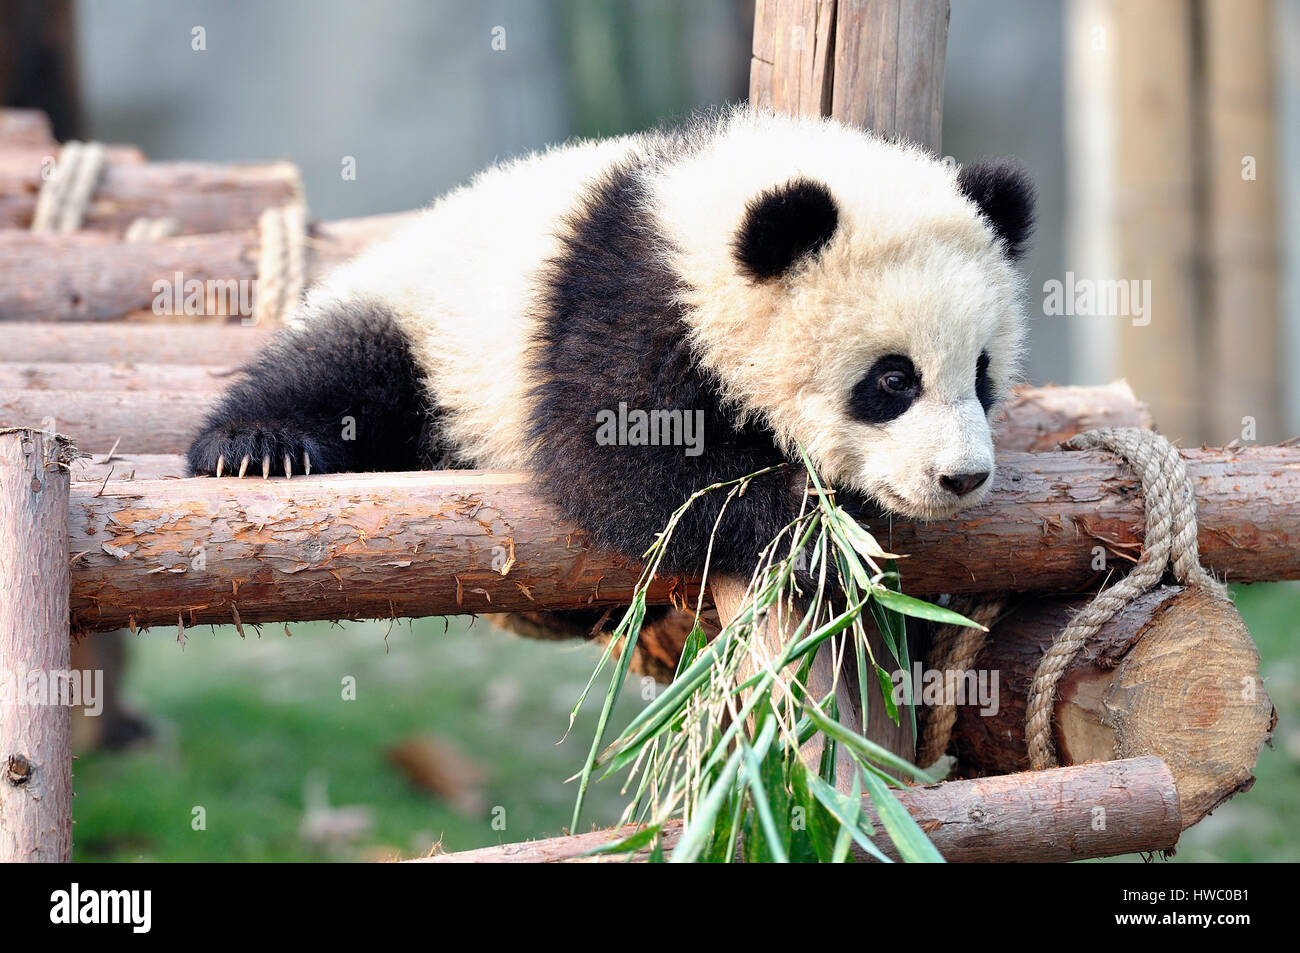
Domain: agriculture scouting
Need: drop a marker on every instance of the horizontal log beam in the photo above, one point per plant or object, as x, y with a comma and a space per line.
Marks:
197, 196
417, 544
1037, 817
25, 127
157, 408
87, 342
94, 276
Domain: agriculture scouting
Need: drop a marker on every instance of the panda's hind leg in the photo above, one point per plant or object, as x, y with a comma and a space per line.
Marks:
343, 393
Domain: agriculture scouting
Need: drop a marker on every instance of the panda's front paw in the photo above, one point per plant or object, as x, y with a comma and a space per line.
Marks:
234, 448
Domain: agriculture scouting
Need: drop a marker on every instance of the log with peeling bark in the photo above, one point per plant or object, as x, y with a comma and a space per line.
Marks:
90, 342
1064, 814
197, 196
415, 544
94, 276
1175, 674
35, 734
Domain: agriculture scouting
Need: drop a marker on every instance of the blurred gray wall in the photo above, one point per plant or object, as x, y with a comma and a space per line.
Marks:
416, 93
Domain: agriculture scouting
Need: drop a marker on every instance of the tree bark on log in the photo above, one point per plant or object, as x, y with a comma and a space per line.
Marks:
1175, 674
35, 733
94, 276
198, 196
1063, 814
114, 378
91, 342
416, 544
113, 404
153, 422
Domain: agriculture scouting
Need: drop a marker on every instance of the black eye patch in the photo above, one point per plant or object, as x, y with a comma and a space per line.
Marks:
886, 391
983, 386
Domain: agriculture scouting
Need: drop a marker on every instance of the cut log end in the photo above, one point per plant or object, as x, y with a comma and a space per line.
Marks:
1174, 675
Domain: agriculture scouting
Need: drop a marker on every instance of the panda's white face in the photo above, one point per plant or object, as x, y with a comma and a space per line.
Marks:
866, 307
886, 370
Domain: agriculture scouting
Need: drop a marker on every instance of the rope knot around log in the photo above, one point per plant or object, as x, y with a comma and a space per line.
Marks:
65, 196
282, 262
1170, 507
1170, 539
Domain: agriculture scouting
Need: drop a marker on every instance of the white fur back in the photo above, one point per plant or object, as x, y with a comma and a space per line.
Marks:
461, 280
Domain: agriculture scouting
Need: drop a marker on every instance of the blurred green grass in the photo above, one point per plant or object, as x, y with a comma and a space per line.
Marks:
245, 725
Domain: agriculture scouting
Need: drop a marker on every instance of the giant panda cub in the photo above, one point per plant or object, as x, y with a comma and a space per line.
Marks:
770, 281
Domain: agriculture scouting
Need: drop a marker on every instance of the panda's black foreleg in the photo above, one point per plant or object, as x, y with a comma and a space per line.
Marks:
343, 394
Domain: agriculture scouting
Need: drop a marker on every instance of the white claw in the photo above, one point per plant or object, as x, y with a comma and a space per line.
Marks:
266, 466
306, 463
288, 467
221, 462
243, 466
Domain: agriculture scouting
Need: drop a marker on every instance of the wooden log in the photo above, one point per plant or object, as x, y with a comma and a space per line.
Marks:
197, 196
93, 276
792, 67
158, 408
1042, 418
1175, 674
26, 127
91, 342
339, 546
1063, 814
35, 712
344, 546
116, 377
1244, 358
142, 421
889, 67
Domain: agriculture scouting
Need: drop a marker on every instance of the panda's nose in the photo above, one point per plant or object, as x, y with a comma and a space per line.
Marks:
962, 483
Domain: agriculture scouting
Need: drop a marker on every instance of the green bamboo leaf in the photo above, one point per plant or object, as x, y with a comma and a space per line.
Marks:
630, 844
887, 690
695, 835
913, 846
868, 749
908, 605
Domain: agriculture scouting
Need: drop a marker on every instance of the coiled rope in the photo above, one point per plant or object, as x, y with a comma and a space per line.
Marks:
1170, 507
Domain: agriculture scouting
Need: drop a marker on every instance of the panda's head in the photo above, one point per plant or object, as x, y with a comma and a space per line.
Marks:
868, 307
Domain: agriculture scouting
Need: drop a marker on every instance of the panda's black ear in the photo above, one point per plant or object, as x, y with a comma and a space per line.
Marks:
782, 225
1005, 196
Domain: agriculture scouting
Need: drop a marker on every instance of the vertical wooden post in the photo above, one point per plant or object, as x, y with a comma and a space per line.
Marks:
35, 578
1241, 200
878, 64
